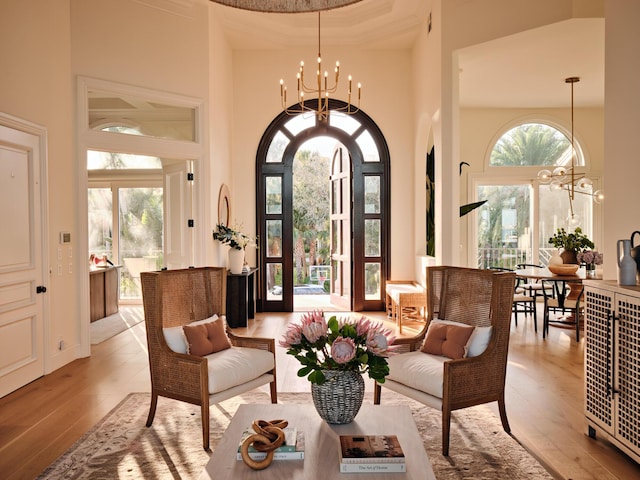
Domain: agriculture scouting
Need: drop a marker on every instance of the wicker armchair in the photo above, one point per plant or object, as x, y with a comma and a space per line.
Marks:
173, 298
480, 298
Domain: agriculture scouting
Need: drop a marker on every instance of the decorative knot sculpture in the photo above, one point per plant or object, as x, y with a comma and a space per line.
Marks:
269, 436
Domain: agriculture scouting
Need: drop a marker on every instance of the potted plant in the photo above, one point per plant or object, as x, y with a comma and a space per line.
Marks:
238, 241
334, 354
572, 243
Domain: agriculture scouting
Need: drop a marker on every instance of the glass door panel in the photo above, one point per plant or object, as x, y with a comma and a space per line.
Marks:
504, 225
140, 239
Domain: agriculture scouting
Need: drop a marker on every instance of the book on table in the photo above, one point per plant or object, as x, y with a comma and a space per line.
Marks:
291, 449
373, 467
370, 449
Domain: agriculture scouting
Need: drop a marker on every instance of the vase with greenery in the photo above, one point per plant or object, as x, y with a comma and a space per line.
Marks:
238, 241
572, 243
233, 237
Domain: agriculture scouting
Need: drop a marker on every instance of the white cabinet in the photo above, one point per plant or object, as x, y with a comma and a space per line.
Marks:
612, 364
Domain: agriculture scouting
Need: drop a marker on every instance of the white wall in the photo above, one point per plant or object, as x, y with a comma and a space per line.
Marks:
622, 124
35, 85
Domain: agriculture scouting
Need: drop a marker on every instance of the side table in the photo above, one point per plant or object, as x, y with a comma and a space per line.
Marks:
241, 302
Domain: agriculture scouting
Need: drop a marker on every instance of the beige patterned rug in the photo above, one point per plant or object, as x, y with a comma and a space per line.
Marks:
120, 446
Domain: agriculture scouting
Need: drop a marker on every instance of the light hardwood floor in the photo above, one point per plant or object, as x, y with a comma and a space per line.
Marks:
544, 401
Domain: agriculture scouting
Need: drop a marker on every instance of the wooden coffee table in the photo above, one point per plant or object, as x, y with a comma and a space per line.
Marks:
321, 443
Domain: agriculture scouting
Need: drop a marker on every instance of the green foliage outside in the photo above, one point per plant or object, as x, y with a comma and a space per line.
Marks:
311, 211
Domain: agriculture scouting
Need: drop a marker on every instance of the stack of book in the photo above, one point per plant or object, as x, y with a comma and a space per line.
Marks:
291, 449
371, 454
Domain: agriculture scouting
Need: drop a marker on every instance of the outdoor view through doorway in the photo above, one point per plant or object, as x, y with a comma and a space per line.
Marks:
311, 225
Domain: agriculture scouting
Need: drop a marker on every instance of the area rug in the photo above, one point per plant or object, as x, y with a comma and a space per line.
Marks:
112, 325
120, 446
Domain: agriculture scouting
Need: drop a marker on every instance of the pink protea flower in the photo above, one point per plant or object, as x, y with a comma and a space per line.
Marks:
379, 340
363, 326
343, 350
314, 326
292, 337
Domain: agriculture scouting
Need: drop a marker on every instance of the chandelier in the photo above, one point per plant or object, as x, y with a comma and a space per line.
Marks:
562, 178
319, 89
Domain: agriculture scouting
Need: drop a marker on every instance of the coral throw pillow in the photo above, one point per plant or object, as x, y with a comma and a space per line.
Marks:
206, 338
448, 340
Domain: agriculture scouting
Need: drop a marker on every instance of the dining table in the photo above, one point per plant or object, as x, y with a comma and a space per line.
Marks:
573, 282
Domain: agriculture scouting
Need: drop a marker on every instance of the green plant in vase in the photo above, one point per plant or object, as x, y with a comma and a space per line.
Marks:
572, 243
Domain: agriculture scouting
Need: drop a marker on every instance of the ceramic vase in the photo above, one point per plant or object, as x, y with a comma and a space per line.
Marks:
339, 398
556, 259
569, 256
236, 260
626, 264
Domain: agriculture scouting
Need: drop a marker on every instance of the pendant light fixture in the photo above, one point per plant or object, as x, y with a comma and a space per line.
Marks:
319, 90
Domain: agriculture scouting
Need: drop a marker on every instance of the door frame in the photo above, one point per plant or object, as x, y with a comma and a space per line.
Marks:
42, 243
89, 139
360, 169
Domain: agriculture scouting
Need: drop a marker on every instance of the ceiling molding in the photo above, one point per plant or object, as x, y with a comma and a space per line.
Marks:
285, 6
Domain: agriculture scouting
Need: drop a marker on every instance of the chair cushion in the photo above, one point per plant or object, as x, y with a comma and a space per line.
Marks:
174, 336
418, 370
237, 365
206, 338
479, 338
447, 339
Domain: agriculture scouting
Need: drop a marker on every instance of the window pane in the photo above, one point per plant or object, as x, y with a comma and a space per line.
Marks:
143, 117
274, 281
533, 144
335, 197
276, 149
554, 211
273, 187
335, 235
300, 122
115, 160
343, 122
368, 146
371, 194
100, 222
372, 238
141, 220
504, 226
372, 281
274, 238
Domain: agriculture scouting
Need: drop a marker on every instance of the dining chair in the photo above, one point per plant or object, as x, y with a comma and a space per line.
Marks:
565, 300
523, 302
533, 287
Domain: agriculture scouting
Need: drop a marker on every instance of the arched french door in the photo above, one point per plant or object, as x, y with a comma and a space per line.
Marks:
362, 195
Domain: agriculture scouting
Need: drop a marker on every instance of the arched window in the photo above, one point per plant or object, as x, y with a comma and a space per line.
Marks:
520, 214
533, 144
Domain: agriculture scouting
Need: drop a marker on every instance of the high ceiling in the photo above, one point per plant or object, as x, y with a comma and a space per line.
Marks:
523, 70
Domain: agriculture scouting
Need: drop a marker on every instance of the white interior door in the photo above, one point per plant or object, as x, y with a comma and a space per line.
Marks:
178, 216
21, 273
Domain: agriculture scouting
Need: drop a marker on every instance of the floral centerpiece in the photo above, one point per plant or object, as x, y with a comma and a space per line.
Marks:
232, 237
590, 258
572, 243
345, 344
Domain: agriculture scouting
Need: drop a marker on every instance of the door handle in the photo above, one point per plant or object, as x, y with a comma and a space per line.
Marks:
41, 289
